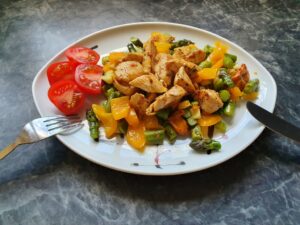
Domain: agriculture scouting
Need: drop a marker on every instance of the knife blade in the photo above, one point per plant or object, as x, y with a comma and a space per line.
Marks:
273, 122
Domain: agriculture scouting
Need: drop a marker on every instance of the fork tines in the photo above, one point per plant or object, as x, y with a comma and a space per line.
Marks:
60, 124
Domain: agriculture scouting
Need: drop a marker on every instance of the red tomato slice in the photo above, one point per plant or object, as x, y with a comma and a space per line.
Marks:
61, 71
88, 78
81, 55
66, 96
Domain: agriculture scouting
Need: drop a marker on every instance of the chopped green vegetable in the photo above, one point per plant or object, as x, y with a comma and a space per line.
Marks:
224, 95
105, 87
137, 42
205, 64
251, 86
233, 57
131, 48
187, 113
105, 60
218, 84
122, 126
108, 77
194, 103
196, 133
180, 43
208, 49
229, 109
106, 106
163, 114
191, 121
93, 124
226, 78
195, 113
228, 62
154, 137
171, 133
205, 145
221, 126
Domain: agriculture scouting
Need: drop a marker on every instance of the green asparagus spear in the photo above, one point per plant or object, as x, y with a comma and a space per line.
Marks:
171, 133
205, 145
218, 84
122, 126
224, 95
131, 48
205, 64
163, 114
196, 133
221, 126
93, 124
108, 77
137, 42
187, 113
251, 86
226, 78
228, 62
180, 43
208, 49
191, 121
229, 109
154, 137
106, 106
233, 57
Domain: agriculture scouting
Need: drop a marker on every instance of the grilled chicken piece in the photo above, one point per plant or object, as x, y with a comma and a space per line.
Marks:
183, 80
134, 56
150, 51
165, 100
147, 64
125, 89
148, 83
179, 62
140, 103
127, 71
163, 69
209, 100
189, 53
241, 77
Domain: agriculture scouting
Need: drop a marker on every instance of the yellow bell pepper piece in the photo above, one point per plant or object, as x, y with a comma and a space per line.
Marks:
109, 66
185, 104
116, 56
218, 52
135, 136
120, 107
235, 93
132, 118
219, 63
250, 97
162, 47
209, 120
206, 74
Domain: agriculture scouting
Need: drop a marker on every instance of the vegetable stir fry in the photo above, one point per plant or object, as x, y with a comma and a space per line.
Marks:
166, 88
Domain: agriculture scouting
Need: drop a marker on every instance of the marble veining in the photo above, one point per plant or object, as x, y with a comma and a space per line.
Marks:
46, 183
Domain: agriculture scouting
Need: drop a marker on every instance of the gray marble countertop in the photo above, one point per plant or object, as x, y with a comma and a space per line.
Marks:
46, 183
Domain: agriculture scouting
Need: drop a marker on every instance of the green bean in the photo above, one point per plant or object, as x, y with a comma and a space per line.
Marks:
93, 124
180, 43
163, 114
105, 60
154, 137
205, 145
131, 48
221, 126
122, 126
229, 109
205, 64
226, 78
191, 121
251, 86
233, 57
224, 95
228, 62
171, 133
137, 42
196, 133
208, 49
108, 77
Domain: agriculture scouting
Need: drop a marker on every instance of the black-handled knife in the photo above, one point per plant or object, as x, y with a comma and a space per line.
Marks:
273, 122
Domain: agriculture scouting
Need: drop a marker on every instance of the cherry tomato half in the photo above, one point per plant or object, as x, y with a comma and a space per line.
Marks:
66, 96
81, 55
88, 78
61, 71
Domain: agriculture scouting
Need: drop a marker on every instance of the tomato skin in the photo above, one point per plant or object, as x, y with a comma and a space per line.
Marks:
88, 78
80, 55
61, 71
66, 96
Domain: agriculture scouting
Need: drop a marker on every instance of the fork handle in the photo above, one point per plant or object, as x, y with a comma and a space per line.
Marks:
8, 149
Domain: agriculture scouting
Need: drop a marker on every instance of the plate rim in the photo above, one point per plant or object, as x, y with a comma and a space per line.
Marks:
137, 172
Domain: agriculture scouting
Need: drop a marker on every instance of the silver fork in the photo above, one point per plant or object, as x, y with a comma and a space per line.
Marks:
42, 128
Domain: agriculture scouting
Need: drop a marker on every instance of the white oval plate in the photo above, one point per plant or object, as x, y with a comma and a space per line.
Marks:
165, 159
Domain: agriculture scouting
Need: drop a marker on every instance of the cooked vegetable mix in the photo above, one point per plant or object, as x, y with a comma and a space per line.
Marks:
159, 88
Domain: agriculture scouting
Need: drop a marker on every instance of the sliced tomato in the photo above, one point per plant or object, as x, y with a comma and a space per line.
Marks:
81, 55
61, 71
66, 96
88, 78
